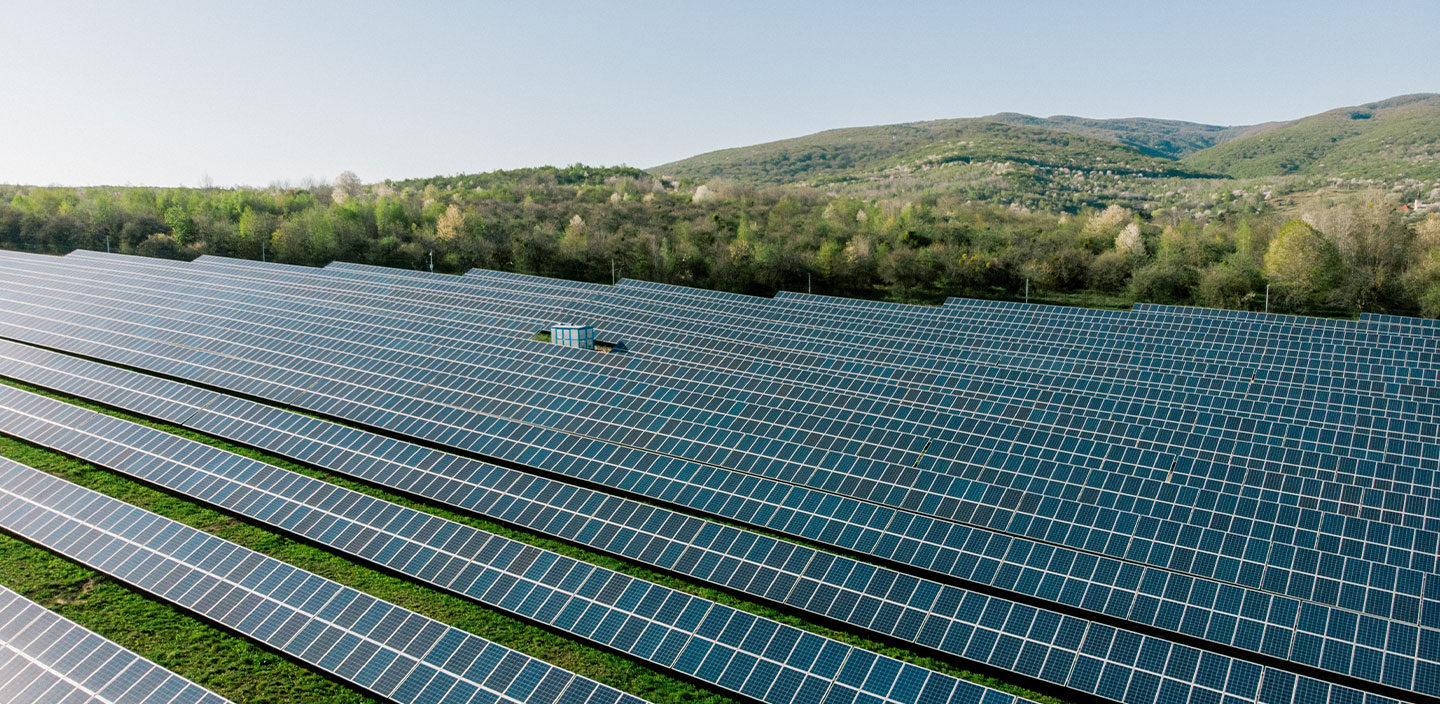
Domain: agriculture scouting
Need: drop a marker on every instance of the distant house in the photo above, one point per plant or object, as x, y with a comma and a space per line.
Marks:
1419, 207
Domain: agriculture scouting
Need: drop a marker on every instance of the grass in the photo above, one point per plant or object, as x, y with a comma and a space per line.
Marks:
615, 670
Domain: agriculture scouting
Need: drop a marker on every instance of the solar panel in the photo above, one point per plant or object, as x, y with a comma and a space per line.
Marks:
45, 657
753, 656
374, 645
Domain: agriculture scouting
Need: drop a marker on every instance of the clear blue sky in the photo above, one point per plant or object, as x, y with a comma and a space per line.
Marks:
168, 93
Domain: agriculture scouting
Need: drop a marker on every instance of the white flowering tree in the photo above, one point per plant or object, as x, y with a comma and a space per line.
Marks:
1107, 220
1129, 242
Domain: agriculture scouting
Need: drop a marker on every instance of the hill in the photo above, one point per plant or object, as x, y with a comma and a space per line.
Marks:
1169, 139
860, 152
1398, 138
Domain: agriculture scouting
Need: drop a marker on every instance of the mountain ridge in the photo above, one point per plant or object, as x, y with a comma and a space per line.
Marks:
1396, 137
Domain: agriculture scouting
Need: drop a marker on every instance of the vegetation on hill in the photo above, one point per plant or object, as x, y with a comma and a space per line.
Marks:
1068, 164
855, 153
1168, 139
1397, 138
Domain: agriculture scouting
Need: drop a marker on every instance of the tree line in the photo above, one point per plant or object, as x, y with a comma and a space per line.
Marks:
1358, 253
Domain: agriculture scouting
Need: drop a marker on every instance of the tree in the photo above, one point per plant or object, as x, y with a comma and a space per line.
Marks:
1164, 281
450, 228
1227, 285
1422, 279
1129, 243
255, 227
1064, 269
1303, 265
1110, 271
1373, 244
906, 270
180, 224
159, 245
1107, 221
347, 187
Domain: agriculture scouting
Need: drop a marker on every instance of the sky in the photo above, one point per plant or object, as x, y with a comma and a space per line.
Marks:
254, 93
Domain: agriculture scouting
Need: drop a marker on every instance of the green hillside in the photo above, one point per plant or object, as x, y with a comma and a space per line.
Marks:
1169, 139
1390, 139
1398, 138
863, 152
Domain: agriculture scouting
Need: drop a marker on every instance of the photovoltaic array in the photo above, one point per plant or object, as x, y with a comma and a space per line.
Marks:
1155, 505
712, 642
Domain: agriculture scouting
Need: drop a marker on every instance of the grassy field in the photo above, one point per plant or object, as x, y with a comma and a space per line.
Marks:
235, 667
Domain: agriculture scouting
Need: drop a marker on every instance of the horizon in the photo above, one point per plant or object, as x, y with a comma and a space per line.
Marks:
171, 95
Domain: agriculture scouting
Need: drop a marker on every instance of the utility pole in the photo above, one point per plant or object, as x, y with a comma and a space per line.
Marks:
262, 250
432, 261
1027, 290
1267, 298
107, 244
807, 282
612, 271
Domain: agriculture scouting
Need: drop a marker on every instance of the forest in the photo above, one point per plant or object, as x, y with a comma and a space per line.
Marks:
1337, 256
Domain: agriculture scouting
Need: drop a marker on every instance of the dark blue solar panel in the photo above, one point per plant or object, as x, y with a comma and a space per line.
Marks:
388, 650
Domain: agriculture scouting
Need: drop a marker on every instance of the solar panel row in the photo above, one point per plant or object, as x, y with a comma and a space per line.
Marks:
1362, 545
394, 652
1368, 499
1272, 647
1242, 550
1374, 600
1182, 468
1262, 637
714, 643
1082, 348
928, 613
1131, 339
45, 657
1186, 468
